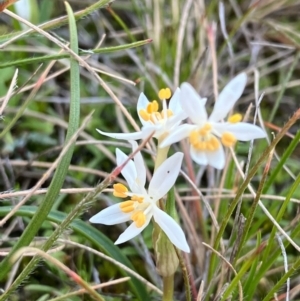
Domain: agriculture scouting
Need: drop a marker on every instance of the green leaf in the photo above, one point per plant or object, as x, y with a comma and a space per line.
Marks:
91, 234
58, 178
46, 58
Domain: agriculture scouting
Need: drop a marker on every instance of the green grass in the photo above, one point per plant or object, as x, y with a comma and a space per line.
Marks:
148, 45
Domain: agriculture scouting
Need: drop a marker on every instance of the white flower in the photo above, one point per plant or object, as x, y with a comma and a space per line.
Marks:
207, 135
160, 122
142, 205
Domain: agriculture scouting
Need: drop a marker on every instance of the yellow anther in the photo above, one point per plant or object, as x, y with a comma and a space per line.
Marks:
235, 118
136, 198
139, 218
164, 93
194, 137
127, 206
152, 107
166, 114
210, 146
201, 145
169, 113
205, 129
143, 113
155, 105
214, 142
207, 142
228, 139
120, 190
149, 108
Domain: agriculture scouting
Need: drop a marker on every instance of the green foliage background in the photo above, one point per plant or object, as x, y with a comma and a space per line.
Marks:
144, 46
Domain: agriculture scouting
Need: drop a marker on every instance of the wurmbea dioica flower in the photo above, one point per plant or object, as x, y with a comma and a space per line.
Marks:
160, 121
142, 204
207, 135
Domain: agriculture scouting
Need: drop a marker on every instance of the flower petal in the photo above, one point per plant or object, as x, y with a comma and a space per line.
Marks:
193, 104
132, 231
156, 129
139, 167
198, 156
165, 176
171, 228
242, 131
175, 106
228, 97
142, 105
110, 216
125, 136
178, 134
129, 171
216, 158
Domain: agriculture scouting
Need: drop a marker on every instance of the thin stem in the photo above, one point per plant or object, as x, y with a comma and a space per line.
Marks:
168, 283
62, 267
161, 154
186, 277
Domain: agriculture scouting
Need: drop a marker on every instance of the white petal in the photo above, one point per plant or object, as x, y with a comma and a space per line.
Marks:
139, 166
124, 136
165, 176
193, 104
175, 106
156, 129
242, 131
129, 171
198, 156
170, 125
142, 105
228, 97
110, 216
172, 229
132, 231
178, 134
23, 9
216, 159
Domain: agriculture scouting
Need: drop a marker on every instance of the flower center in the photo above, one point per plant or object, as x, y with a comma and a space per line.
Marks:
135, 206
152, 114
203, 140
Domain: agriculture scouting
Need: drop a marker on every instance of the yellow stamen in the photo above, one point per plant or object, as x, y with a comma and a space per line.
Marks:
144, 114
228, 139
120, 190
136, 198
235, 118
215, 142
156, 116
205, 129
139, 218
169, 113
155, 105
200, 145
127, 206
152, 107
164, 93
203, 140
194, 137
